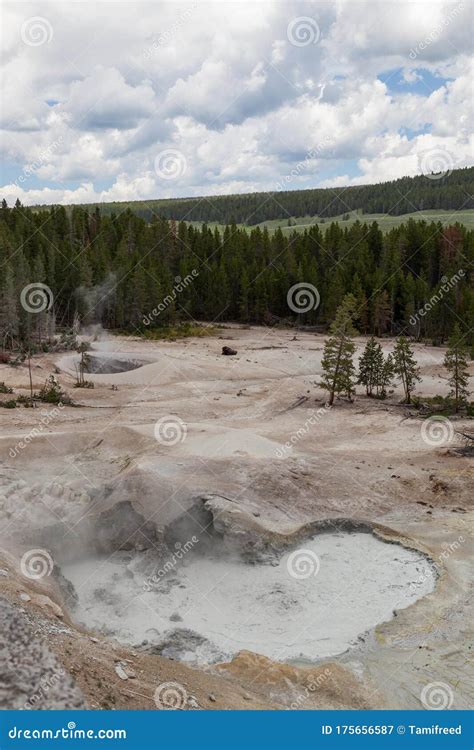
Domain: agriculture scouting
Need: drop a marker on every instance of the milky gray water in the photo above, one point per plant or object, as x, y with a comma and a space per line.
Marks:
315, 603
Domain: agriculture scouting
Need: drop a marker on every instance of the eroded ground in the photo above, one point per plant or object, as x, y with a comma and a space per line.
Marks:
246, 457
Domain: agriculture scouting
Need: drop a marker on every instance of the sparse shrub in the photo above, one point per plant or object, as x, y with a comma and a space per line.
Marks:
4, 388
19, 359
27, 401
66, 341
11, 404
52, 393
440, 405
171, 333
83, 384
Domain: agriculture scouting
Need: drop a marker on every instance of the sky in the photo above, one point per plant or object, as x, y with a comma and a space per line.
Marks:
113, 101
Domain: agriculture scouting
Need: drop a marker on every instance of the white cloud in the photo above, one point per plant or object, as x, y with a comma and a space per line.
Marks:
103, 100
221, 82
396, 156
411, 76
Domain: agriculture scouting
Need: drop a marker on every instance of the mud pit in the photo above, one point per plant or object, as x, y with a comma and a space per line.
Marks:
102, 363
314, 602
111, 365
273, 469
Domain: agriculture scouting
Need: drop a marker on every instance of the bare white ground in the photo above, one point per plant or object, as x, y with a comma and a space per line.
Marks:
315, 603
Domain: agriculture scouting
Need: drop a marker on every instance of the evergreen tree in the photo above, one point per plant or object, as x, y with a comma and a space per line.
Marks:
385, 376
244, 298
242, 275
361, 319
452, 192
382, 313
9, 321
405, 367
455, 362
371, 366
337, 362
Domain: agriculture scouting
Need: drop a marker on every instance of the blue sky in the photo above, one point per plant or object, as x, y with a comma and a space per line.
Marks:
420, 81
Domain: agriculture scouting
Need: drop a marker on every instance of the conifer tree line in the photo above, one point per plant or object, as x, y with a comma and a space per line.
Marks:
116, 269
378, 372
452, 191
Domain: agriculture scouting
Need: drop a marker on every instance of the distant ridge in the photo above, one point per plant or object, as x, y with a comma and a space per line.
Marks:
453, 191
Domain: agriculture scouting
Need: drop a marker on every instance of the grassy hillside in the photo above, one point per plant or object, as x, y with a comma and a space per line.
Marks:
446, 199
385, 221
429, 196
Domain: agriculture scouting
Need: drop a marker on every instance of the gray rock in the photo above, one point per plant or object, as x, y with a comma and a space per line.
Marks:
124, 671
121, 671
192, 703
